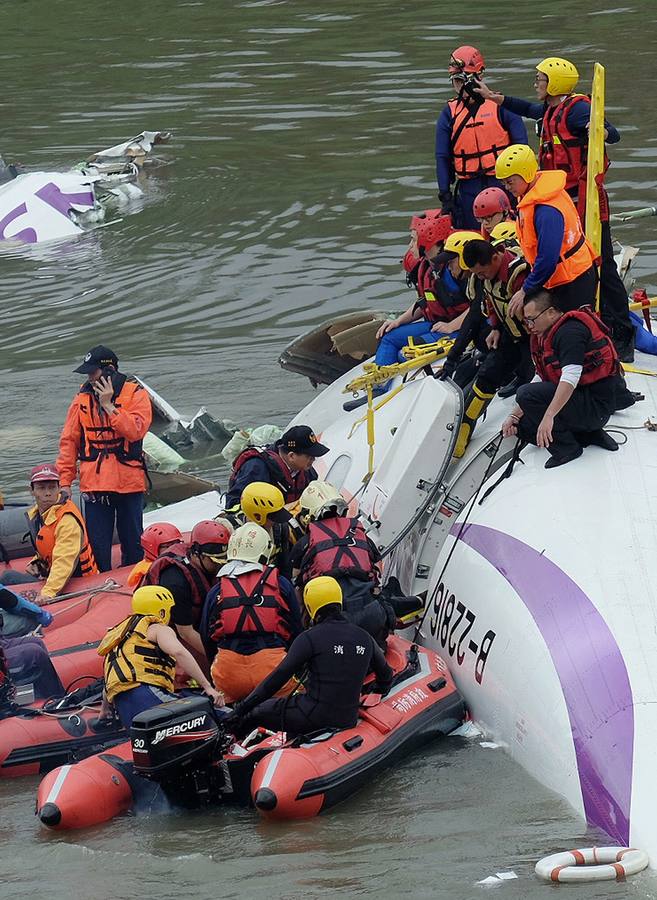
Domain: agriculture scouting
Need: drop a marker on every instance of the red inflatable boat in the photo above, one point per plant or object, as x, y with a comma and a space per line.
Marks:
180, 747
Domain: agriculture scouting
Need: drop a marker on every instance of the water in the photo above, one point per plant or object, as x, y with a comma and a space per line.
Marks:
303, 140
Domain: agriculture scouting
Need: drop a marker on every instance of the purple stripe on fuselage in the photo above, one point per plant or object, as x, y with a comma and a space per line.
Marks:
590, 667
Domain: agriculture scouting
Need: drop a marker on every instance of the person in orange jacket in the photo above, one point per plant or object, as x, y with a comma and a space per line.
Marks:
103, 435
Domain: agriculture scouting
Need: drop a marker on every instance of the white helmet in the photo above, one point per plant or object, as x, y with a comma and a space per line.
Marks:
320, 498
250, 543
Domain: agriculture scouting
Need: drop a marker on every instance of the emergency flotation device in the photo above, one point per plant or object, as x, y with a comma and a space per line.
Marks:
576, 255
44, 541
499, 290
281, 477
132, 659
560, 149
338, 546
438, 302
98, 440
600, 359
249, 605
199, 584
478, 138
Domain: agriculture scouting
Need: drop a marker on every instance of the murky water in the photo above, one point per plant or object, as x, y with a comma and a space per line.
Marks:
303, 140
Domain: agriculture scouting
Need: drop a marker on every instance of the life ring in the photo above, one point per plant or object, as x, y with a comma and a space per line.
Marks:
592, 864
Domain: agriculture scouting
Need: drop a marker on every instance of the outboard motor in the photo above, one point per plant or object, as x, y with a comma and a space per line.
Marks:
179, 745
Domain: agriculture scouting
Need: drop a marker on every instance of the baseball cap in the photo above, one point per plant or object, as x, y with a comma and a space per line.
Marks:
302, 439
97, 358
44, 472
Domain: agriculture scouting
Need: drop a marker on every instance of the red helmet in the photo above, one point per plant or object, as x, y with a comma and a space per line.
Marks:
466, 60
490, 201
431, 226
157, 534
209, 536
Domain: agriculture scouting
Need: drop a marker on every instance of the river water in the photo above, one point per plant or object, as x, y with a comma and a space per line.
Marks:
303, 141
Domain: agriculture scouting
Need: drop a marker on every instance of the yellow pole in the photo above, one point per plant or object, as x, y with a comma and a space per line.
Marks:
370, 434
595, 161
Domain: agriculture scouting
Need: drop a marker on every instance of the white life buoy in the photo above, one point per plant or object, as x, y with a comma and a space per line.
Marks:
592, 864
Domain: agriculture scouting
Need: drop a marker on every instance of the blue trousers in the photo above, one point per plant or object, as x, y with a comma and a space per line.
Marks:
101, 511
391, 343
138, 699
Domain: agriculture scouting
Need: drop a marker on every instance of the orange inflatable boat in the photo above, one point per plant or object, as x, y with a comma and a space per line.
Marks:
180, 748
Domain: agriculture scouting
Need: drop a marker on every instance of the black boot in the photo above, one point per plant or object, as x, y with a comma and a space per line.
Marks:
624, 344
555, 461
598, 438
509, 390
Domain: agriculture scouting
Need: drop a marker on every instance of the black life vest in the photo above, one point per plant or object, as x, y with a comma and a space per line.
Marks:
338, 546
281, 477
199, 583
559, 148
250, 605
600, 359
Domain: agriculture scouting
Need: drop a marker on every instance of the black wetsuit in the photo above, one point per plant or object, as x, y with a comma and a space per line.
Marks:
336, 656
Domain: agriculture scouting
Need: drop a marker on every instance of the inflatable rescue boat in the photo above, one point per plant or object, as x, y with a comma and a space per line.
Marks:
179, 747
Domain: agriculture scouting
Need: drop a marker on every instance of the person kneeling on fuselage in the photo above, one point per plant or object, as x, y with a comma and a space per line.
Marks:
580, 384
336, 656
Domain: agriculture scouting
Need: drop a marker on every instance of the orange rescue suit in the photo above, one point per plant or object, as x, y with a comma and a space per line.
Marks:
478, 138
576, 255
107, 447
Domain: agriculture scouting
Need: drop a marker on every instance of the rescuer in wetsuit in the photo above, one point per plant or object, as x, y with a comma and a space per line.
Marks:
336, 657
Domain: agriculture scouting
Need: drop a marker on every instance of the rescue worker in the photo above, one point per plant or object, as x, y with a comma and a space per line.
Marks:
501, 274
59, 537
335, 654
490, 208
428, 231
470, 134
336, 544
140, 657
7, 688
549, 232
264, 504
103, 434
564, 118
288, 464
442, 303
158, 538
251, 616
190, 577
580, 383
26, 657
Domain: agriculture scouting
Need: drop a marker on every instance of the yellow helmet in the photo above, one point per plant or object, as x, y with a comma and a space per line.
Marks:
153, 600
261, 501
250, 543
320, 592
319, 498
518, 159
562, 75
504, 233
456, 241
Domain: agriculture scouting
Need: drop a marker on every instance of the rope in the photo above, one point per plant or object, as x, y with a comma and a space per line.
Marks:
460, 532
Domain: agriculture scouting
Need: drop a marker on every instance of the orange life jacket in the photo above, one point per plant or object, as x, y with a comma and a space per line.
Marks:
478, 138
600, 359
559, 148
44, 543
577, 255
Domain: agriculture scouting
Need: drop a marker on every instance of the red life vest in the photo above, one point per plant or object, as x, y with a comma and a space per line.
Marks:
600, 359
338, 546
250, 605
559, 148
478, 138
291, 488
199, 583
437, 302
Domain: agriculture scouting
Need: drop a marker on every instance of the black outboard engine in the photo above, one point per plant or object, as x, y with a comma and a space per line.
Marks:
178, 745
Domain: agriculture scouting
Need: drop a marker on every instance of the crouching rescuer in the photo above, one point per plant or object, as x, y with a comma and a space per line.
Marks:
141, 654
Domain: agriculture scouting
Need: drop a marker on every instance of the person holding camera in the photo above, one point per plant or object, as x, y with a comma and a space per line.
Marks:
103, 435
470, 134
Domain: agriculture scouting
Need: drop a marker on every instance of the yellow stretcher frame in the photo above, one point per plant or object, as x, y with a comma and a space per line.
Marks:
595, 165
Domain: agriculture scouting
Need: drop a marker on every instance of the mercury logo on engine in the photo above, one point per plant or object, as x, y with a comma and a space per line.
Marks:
177, 729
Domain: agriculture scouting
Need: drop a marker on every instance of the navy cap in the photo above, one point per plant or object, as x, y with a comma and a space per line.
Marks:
97, 358
301, 439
